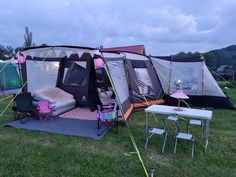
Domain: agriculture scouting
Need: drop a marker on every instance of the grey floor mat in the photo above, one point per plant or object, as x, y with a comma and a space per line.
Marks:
84, 128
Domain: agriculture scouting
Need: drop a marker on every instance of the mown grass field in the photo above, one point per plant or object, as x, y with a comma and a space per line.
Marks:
34, 153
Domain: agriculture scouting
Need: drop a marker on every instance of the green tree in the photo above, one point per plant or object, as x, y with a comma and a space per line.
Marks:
28, 36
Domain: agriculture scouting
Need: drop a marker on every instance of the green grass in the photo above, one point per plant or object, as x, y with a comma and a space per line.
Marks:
34, 153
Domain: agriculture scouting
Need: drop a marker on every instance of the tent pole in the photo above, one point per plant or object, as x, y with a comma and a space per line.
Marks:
130, 133
202, 58
171, 58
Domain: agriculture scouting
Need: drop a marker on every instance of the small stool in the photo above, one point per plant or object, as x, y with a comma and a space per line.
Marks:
185, 136
196, 122
157, 131
174, 119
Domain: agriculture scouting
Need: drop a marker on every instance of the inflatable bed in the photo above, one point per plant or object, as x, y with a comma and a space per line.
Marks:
60, 100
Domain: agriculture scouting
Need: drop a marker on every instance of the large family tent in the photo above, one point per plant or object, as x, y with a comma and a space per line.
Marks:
197, 81
10, 82
52, 72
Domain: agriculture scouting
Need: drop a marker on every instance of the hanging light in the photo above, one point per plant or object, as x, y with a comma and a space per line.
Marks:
99, 63
21, 58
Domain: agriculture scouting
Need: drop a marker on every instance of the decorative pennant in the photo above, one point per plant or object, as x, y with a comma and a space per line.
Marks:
21, 58
97, 52
91, 53
80, 53
57, 52
44, 54
31, 54
51, 53
68, 53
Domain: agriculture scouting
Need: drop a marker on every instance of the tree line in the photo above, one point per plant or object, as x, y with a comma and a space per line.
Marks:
215, 58
7, 52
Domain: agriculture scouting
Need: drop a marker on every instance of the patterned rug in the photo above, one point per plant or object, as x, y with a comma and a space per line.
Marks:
80, 113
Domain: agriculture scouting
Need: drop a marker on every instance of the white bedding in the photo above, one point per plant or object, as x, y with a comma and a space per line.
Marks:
60, 100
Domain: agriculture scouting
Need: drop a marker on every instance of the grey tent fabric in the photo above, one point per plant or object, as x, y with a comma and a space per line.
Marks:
195, 78
144, 83
118, 75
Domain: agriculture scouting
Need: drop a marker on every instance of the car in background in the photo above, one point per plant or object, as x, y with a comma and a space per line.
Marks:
226, 72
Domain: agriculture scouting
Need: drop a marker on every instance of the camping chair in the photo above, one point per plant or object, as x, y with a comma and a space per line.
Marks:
184, 136
44, 110
107, 117
23, 107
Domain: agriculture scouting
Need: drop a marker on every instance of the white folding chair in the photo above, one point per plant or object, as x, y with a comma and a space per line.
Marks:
157, 131
184, 136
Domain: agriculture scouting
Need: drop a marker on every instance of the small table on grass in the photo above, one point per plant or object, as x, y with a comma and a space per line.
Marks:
203, 115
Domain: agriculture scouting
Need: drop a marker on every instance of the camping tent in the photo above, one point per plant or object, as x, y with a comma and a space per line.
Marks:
197, 81
72, 70
9, 78
137, 80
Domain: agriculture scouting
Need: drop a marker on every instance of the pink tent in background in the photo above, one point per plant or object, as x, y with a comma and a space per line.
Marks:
179, 94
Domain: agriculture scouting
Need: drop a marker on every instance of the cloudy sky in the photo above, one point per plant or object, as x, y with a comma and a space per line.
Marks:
163, 26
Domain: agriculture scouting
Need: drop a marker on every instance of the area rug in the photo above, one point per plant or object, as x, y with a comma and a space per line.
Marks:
80, 113
64, 126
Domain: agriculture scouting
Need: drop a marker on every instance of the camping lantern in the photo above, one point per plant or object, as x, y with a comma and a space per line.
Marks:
21, 58
178, 85
99, 63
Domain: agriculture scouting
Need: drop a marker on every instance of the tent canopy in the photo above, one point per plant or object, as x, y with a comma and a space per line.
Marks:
197, 81
72, 69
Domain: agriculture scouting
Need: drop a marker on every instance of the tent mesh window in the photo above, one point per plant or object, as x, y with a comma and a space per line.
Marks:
41, 74
75, 73
144, 82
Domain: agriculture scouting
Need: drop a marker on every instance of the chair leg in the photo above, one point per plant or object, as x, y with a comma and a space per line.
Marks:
203, 132
164, 143
98, 127
175, 145
117, 125
188, 125
146, 142
193, 147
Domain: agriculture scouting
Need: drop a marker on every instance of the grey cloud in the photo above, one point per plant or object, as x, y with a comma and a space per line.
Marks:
164, 27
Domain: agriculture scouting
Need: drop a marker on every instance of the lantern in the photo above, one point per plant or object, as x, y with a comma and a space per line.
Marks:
21, 58
99, 63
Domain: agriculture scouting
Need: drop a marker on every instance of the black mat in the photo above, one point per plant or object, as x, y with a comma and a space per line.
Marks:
75, 127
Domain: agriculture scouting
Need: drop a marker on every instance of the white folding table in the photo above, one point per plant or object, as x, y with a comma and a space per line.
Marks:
203, 115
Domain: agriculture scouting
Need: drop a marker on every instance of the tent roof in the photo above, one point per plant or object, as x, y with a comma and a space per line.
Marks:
58, 51
177, 58
139, 49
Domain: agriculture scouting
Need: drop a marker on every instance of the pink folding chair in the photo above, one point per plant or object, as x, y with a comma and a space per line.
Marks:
44, 110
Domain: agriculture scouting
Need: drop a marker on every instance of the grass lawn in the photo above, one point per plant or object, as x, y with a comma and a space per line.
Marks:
34, 153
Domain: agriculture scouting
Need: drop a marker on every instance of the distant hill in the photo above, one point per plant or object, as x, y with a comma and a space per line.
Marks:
218, 57
224, 56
